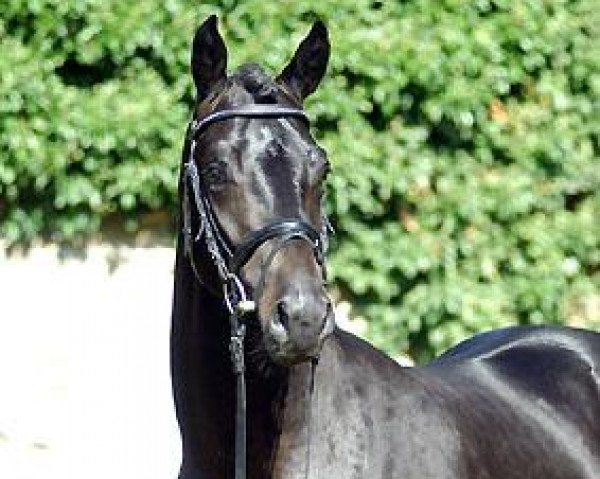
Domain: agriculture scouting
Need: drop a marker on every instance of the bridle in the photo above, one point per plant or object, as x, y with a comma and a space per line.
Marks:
228, 260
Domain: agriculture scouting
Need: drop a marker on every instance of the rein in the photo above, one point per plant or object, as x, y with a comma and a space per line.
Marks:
229, 260
309, 415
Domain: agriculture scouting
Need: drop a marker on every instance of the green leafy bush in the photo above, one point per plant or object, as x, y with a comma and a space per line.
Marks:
465, 139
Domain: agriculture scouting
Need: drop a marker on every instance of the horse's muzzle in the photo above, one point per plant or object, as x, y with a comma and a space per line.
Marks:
298, 327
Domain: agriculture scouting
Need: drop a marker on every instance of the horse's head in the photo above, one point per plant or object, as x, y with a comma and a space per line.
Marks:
260, 170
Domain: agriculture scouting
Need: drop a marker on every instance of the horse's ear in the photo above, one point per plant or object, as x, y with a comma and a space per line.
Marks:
209, 57
305, 71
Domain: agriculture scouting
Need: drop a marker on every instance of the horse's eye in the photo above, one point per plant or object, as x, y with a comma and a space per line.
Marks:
214, 173
272, 150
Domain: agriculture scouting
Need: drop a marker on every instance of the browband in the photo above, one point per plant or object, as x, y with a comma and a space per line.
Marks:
248, 111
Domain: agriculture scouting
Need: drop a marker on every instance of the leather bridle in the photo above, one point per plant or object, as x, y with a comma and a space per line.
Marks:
229, 259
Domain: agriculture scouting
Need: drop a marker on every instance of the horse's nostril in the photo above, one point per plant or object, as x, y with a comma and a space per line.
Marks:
282, 314
303, 313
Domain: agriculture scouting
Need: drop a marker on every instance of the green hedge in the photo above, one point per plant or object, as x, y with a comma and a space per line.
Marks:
465, 139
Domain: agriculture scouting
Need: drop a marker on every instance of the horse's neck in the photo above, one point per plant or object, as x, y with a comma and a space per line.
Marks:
204, 387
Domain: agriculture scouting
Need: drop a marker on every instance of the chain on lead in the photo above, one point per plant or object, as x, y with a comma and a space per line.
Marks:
238, 306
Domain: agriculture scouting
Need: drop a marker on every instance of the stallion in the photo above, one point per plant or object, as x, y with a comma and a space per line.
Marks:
266, 386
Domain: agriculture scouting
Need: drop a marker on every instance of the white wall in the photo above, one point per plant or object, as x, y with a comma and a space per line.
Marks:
84, 366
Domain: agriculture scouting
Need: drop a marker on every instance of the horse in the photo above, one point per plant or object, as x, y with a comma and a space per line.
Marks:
266, 386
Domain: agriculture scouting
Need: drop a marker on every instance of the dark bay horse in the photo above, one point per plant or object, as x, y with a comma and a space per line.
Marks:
513, 403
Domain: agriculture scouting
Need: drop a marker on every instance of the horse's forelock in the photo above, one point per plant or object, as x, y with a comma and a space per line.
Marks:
256, 82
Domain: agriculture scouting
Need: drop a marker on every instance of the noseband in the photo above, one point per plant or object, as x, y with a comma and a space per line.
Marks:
229, 260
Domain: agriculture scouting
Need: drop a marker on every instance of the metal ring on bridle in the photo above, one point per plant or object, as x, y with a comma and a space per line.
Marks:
238, 304
232, 279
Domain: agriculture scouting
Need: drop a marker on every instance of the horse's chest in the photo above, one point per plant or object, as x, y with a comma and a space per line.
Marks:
334, 442
365, 436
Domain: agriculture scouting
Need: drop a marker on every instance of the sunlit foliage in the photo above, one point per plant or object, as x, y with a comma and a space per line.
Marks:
464, 136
